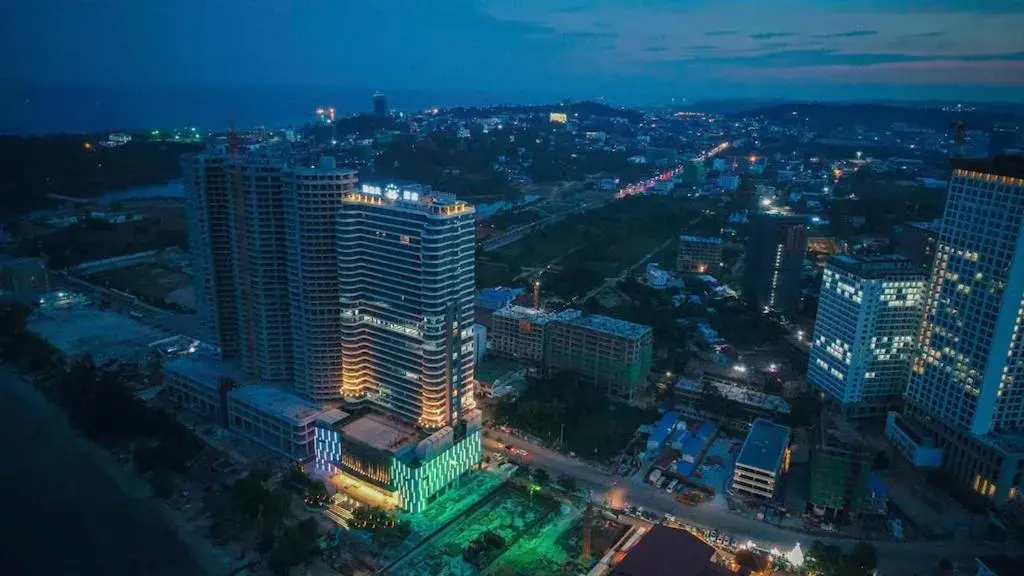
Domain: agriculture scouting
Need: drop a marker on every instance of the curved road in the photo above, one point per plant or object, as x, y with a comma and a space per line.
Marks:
902, 558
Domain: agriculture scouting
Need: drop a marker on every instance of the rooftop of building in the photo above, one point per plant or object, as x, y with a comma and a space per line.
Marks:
701, 239
738, 393
1002, 564
493, 367
496, 298
204, 369
931, 226
1008, 166
666, 551
536, 316
78, 329
877, 267
412, 196
836, 434
380, 432
277, 402
610, 325
765, 446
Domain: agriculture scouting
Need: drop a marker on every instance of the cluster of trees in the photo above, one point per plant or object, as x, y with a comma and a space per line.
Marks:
883, 202
384, 527
313, 492
830, 560
64, 164
250, 505
578, 413
99, 401
22, 349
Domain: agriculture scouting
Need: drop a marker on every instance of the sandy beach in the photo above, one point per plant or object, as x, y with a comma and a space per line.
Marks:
70, 507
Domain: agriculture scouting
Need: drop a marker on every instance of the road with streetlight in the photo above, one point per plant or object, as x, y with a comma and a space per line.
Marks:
904, 558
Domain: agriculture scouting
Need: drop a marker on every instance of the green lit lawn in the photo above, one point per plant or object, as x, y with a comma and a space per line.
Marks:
510, 513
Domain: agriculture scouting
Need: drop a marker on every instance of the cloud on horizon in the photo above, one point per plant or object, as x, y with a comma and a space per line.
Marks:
627, 49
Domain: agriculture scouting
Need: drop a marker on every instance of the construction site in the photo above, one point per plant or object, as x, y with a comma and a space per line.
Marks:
496, 522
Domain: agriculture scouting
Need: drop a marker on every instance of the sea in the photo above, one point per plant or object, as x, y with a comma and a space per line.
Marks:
62, 513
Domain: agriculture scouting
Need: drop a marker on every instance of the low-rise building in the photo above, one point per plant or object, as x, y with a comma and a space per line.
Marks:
762, 460
490, 300
742, 405
200, 383
919, 449
499, 378
271, 416
612, 353
519, 333
405, 467
699, 254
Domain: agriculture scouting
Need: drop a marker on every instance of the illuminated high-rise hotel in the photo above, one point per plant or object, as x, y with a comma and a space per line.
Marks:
869, 311
406, 270
965, 395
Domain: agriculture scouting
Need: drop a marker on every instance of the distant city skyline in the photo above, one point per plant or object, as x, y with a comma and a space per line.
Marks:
631, 52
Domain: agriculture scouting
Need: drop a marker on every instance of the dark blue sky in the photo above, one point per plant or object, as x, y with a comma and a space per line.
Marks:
630, 51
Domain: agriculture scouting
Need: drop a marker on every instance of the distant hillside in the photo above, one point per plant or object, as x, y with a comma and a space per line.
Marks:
819, 116
584, 109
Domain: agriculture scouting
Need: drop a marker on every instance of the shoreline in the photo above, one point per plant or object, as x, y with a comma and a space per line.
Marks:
50, 425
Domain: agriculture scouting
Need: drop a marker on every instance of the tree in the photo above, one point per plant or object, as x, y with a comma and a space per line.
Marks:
567, 482
861, 561
825, 559
295, 546
540, 476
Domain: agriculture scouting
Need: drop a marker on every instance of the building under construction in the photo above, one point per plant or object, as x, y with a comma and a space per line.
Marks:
520, 333
613, 354
840, 463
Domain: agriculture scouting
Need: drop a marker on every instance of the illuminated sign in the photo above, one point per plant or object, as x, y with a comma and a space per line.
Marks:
369, 189
409, 196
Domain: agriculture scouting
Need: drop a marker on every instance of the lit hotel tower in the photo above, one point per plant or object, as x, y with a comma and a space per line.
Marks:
966, 389
406, 269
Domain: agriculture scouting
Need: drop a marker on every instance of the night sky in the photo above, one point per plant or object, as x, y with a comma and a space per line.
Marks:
629, 51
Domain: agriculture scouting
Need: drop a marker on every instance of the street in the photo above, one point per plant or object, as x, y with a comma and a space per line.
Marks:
903, 558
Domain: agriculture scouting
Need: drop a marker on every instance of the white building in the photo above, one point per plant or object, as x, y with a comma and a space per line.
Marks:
199, 383
406, 267
869, 311
762, 460
967, 384
281, 421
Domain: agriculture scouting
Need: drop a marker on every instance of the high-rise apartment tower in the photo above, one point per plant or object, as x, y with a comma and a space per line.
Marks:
966, 389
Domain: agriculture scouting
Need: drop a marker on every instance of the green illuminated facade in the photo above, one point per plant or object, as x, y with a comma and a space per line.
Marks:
419, 482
